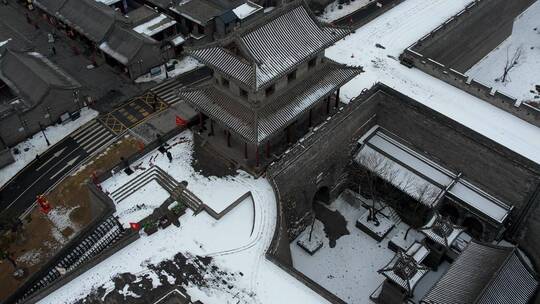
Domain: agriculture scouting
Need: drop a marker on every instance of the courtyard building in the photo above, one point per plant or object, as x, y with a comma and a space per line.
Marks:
431, 186
34, 93
271, 84
107, 35
486, 273
202, 21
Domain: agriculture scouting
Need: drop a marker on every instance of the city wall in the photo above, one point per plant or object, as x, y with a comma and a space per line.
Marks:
320, 159
460, 42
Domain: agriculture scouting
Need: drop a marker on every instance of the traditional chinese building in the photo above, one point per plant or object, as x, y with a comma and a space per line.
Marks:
271, 84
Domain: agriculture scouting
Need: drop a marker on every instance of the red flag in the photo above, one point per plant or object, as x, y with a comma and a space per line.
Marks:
180, 121
135, 226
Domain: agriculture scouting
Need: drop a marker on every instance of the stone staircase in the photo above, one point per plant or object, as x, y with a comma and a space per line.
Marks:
177, 190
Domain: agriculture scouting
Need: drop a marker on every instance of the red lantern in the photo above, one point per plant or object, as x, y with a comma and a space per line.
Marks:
135, 226
43, 203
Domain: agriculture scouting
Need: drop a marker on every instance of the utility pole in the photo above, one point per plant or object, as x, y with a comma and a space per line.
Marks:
44, 135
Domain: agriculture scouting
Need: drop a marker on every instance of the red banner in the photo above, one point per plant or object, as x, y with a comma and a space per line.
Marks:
180, 121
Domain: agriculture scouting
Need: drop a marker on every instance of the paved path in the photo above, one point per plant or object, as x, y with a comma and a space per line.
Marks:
20, 193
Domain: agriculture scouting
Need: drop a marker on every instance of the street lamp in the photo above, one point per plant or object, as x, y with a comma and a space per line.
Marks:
76, 98
44, 135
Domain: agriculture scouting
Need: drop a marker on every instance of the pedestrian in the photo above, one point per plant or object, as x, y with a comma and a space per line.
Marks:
28, 18
53, 49
169, 156
36, 26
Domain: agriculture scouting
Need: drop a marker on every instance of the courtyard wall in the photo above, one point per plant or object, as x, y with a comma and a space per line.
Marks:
320, 159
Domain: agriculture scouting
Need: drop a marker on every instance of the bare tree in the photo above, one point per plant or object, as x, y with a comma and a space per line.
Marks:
511, 62
312, 224
376, 166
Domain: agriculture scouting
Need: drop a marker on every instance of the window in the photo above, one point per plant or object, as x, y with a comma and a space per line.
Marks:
312, 63
225, 82
270, 90
291, 76
243, 93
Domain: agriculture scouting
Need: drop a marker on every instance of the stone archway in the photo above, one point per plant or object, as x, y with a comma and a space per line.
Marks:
474, 227
322, 195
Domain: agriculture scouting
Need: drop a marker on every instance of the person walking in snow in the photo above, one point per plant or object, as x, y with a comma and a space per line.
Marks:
169, 156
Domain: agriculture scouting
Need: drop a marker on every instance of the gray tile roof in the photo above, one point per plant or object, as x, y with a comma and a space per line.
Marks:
127, 46
202, 11
258, 126
33, 77
91, 18
108, 29
50, 6
485, 274
271, 46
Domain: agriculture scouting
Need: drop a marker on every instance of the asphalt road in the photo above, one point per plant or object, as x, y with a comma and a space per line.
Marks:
20, 193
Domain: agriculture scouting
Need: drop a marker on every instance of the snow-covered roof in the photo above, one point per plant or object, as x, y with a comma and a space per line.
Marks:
446, 240
203, 11
258, 126
35, 78
2, 43
272, 46
405, 269
422, 178
155, 25
108, 2
178, 40
247, 9
485, 274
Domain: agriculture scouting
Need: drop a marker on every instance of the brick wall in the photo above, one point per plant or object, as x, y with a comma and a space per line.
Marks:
319, 160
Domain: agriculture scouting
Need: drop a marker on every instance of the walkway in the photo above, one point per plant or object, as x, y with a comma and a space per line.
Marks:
397, 29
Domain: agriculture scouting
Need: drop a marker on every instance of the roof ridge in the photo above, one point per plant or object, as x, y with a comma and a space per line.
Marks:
496, 273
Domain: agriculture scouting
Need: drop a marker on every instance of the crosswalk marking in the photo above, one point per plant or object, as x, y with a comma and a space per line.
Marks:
97, 143
93, 136
82, 141
79, 130
83, 136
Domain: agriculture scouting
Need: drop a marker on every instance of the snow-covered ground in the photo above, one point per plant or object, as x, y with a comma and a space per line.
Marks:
186, 64
217, 193
37, 145
348, 270
525, 75
237, 242
332, 11
399, 28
